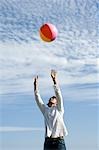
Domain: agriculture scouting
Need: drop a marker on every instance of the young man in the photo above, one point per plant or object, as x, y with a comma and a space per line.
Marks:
55, 129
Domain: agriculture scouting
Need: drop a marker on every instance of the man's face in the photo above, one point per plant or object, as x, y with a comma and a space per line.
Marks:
52, 102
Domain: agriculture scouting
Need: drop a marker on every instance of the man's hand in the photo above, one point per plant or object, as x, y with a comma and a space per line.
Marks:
54, 76
36, 83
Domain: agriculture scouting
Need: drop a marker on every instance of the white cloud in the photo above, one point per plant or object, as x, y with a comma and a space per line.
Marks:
23, 54
16, 129
19, 63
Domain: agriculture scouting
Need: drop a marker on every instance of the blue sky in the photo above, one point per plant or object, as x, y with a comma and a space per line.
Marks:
74, 54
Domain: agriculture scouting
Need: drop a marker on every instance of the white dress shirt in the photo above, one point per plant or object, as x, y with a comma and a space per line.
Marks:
53, 116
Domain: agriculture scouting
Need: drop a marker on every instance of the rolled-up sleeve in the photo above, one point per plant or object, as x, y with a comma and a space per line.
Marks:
39, 101
59, 99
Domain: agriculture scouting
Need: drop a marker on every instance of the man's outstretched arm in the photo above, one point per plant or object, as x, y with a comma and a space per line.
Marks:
57, 91
38, 98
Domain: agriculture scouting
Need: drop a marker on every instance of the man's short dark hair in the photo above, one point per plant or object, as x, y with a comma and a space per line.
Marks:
52, 97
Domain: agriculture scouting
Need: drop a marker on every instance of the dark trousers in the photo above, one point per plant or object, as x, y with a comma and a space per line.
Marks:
54, 144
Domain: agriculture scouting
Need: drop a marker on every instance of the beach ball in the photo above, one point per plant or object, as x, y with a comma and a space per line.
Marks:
48, 32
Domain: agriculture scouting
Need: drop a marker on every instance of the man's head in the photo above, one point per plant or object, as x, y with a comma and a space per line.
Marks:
52, 101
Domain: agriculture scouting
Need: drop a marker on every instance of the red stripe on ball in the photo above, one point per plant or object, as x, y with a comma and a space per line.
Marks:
46, 31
